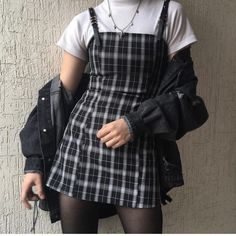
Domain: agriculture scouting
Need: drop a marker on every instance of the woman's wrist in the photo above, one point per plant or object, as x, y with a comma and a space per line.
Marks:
130, 128
135, 122
33, 171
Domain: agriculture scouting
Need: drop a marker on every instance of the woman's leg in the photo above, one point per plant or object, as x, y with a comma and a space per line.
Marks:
77, 215
141, 220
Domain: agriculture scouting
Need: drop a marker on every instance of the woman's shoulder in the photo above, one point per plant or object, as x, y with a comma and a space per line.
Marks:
154, 7
82, 17
175, 8
174, 5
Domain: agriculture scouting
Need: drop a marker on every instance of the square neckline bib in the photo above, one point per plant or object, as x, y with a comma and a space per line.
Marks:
158, 43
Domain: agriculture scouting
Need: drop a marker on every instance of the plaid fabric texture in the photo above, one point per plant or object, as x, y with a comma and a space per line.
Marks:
122, 76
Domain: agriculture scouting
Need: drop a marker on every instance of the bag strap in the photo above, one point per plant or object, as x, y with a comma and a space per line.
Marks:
163, 19
93, 19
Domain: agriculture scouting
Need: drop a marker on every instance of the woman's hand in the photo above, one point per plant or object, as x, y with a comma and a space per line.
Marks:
27, 194
115, 133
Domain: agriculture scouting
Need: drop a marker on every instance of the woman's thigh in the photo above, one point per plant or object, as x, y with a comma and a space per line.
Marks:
141, 220
77, 215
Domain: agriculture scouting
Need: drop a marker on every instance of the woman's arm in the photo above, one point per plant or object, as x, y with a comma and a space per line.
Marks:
71, 72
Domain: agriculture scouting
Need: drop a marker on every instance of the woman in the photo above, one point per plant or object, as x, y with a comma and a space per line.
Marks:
98, 161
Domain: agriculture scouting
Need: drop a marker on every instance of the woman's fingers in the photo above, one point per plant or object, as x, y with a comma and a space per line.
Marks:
108, 137
118, 144
113, 141
115, 133
39, 188
31, 196
24, 196
27, 194
103, 131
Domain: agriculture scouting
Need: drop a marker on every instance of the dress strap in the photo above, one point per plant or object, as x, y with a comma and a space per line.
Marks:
93, 19
163, 19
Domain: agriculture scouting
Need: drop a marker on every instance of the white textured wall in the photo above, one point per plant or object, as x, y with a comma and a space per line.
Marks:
29, 58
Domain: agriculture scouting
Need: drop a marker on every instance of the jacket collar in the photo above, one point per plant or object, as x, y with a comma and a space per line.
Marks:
56, 84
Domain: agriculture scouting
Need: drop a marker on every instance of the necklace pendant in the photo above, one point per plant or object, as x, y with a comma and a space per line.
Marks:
131, 22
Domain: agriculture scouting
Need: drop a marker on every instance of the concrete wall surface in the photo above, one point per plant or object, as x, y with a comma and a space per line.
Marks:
29, 58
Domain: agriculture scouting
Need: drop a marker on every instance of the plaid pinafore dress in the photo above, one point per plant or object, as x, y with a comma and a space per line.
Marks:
123, 74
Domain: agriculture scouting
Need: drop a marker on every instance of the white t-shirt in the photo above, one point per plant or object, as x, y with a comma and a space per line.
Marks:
178, 32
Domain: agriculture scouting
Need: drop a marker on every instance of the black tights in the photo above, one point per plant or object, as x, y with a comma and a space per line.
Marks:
81, 216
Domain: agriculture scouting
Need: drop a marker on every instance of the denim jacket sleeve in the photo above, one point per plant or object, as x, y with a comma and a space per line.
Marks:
176, 108
30, 144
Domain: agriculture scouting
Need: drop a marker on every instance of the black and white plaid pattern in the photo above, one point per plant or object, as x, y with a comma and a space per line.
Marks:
121, 77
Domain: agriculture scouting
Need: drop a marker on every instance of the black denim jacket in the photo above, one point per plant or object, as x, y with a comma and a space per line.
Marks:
173, 112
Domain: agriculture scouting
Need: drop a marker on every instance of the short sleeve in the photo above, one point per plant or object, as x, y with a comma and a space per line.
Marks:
72, 39
179, 32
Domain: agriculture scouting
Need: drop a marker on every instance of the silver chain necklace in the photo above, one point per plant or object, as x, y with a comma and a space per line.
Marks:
129, 24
